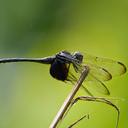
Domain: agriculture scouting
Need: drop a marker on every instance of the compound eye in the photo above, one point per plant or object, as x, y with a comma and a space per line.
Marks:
78, 56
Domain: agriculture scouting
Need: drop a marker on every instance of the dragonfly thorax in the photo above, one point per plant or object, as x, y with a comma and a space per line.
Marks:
60, 66
59, 70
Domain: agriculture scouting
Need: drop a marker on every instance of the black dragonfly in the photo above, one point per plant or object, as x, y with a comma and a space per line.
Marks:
66, 66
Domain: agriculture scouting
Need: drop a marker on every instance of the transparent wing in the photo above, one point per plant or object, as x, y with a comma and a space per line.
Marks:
101, 69
98, 72
73, 77
91, 82
103, 66
94, 83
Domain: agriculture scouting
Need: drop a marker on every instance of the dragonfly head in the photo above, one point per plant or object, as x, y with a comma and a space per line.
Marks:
78, 56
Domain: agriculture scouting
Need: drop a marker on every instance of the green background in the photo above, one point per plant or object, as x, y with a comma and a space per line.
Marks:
29, 96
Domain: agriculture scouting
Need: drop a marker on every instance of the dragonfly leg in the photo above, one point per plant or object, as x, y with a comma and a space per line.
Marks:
95, 99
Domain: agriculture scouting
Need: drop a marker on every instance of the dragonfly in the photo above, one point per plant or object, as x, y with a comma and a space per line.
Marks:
66, 67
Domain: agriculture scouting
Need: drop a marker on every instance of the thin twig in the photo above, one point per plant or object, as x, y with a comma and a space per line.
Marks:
77, 121
68, 100
95, 99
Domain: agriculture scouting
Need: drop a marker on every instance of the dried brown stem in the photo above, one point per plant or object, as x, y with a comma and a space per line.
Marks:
70, 97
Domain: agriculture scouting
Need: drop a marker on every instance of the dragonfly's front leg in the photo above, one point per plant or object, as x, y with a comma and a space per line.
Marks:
95, 99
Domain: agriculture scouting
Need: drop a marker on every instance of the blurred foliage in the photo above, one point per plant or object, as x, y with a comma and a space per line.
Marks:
29, 96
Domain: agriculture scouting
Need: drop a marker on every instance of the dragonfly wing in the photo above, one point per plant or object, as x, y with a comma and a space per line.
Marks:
73, 78
91, 81
100, 73
113, 67
101, 69
94, 83
87, 91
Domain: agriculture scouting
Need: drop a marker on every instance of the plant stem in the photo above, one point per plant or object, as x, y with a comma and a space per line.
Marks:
68, 100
